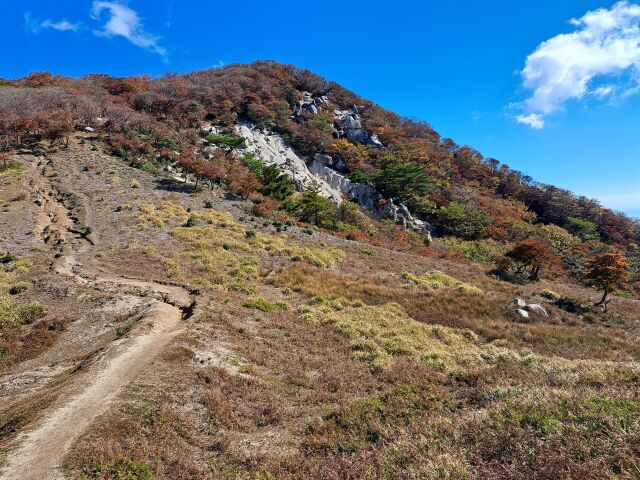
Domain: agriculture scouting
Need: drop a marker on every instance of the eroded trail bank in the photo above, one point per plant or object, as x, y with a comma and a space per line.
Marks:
41, 450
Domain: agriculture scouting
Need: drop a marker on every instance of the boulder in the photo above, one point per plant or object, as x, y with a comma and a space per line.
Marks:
340, 165
522, 314
310, 104
374, 141
518, 302
356, 135
537, 309
323, 158
311, 108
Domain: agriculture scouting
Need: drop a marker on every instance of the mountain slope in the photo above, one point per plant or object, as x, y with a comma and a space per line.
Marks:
316, 341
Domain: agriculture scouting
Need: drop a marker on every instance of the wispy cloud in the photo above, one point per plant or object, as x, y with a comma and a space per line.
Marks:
61, 25
600, 59
125, 22
35, 26
534, 120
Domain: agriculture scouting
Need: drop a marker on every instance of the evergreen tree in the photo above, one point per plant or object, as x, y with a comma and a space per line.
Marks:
313, 208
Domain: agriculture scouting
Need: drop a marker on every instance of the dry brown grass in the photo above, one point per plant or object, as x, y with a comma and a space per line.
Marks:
490, 316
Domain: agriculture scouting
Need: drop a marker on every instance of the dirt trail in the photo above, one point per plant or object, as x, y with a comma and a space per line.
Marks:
40, 452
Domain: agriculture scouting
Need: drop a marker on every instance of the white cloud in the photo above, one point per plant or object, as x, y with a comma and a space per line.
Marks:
61, 25
125, 22
34, 25
534, 120
605, 46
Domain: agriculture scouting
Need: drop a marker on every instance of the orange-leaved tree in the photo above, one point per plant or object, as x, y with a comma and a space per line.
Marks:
530, 257
606, 272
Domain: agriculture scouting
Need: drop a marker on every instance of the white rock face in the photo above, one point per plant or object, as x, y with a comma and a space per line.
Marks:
271, 149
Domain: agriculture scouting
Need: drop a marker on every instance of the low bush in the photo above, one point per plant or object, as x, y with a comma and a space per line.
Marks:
436, 279
264, 305
12, 314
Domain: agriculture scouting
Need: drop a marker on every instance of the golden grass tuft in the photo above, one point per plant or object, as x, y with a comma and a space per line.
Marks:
221, 252
436, 279
380, 333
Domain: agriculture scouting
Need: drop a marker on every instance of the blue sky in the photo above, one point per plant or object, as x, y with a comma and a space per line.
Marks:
549, 87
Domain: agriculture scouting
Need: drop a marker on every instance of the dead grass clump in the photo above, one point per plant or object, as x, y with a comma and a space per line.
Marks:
143, 442
371, 420
446, 306
23, 342
587, 436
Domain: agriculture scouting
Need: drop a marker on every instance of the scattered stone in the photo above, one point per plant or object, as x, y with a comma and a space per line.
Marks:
519, 302
537, 309
522, 314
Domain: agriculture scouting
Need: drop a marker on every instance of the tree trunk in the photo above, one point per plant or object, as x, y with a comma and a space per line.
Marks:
535, 271
603, 301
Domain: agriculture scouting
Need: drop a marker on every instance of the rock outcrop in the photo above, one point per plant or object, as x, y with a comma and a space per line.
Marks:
310, 104
366, 196
350, 125
323, 170
271, 149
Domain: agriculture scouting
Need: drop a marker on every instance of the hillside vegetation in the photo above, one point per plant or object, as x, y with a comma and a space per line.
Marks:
225, 320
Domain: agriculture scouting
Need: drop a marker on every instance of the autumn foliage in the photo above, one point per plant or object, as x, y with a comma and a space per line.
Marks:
530, 257
455, 188
607, 272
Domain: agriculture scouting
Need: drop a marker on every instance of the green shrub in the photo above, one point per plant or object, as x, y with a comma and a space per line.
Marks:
18, 288
584, 229
122, 330
314, 208
12, 315
550, 294
225, 141
275, 184
129, 470
483, 251
461, 221
265, 306
397, 179
192, 221
149, 167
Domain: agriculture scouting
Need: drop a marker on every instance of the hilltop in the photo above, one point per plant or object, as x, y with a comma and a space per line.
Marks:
251, 272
